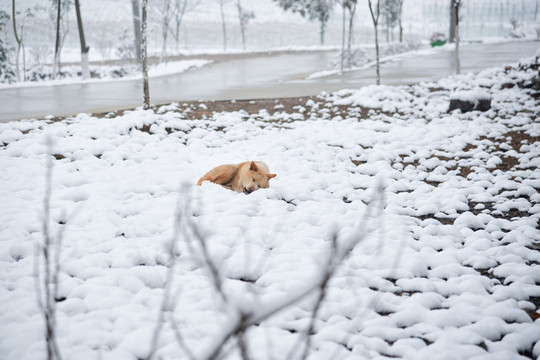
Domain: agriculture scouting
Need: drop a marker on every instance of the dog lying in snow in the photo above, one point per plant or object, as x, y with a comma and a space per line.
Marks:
245, 177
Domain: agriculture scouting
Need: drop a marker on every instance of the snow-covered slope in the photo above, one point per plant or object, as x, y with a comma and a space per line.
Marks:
448, 268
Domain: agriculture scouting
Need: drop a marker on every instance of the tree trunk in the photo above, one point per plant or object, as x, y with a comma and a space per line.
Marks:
85, 71
400, 15
242, 28
179, 16
17, 69
322, 31
378, 65
375, 25
18, 40
165, 30
23, 59
452, 34
56, 63
387, 30
137, 29
458, 64
342, 37
352, 11
223, 26
144, 59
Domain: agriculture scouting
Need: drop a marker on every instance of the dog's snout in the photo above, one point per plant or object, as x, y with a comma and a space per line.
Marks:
247, 191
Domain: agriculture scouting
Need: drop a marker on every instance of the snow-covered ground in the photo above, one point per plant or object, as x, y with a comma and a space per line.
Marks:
72, 75
448, 266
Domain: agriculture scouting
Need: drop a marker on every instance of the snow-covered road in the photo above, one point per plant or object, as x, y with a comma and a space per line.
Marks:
255, 77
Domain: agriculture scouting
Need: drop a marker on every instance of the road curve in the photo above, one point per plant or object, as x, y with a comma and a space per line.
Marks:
250, 77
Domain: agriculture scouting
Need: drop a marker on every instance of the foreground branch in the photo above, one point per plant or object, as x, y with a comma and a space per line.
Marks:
240, 320
166, 302
46, 276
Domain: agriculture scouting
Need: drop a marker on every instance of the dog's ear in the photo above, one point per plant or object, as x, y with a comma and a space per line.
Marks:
253, 166
269, 176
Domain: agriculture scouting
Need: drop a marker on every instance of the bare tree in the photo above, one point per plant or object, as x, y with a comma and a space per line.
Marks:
343, 9
348, 7
137, 28
243, 16
375, 17
62, 9
17, 39
400, 19
56, 62
144, 57
452, 31
84, 48
351, 6
223, 24
166, 19
455, 9
181, 7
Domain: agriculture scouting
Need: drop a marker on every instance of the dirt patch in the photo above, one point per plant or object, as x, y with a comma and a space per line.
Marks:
272, 106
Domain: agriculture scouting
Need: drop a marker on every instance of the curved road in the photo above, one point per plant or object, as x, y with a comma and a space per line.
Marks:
252, 77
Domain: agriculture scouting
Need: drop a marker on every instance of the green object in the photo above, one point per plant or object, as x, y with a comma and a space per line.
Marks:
438, 43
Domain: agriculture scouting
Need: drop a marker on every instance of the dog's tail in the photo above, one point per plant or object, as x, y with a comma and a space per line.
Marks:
201, 180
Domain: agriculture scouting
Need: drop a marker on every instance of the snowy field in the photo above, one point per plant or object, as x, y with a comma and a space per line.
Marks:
447, 265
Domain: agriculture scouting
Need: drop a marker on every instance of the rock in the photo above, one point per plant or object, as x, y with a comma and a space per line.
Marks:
470, 100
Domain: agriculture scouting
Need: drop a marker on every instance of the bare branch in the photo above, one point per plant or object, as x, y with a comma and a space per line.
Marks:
205, 258
165, 301
238, 323
242, 346
179, 338
46, 285
322, 294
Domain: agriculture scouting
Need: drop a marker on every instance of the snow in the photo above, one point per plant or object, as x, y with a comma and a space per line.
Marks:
108, 31
447, 268
108, 25
105, 73
471, 95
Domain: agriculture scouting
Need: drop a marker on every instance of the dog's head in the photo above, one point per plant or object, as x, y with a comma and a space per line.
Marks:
255, 178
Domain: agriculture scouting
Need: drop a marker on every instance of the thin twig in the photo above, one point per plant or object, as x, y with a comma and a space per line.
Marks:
331, 268
240, 324
207, 259
242, 345
168, 282
179, 338
46, 285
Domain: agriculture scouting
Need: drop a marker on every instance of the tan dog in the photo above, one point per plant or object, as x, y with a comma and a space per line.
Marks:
245, 177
